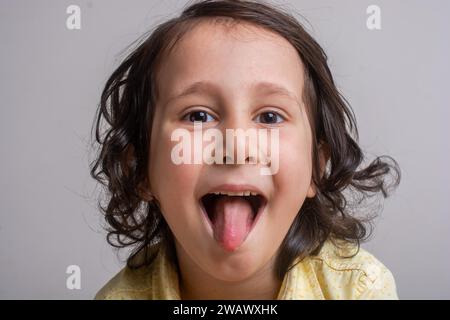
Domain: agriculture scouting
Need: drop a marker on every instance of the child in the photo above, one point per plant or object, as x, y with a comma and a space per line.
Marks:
223, 230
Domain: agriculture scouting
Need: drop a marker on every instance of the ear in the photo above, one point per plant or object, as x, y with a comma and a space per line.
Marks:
143, 190
324, 156
143, 186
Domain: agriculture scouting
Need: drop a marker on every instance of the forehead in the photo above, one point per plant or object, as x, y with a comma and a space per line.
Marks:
234, 58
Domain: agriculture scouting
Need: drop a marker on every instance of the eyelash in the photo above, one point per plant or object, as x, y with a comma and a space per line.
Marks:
207, 114
196, 111
275, 113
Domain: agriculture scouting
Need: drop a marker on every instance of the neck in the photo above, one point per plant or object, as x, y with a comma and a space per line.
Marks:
195, 284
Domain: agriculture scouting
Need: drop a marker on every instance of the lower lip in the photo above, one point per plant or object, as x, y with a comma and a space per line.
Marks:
210, 224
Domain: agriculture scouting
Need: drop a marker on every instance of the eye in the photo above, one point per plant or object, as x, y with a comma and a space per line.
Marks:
198, 115
269, 117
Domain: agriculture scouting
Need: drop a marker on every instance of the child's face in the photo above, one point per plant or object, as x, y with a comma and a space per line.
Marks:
232, 61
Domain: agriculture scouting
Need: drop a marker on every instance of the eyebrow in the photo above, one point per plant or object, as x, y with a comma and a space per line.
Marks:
269, 88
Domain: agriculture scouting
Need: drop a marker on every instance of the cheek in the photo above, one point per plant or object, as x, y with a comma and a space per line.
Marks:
172, 184
294, 176
295, 162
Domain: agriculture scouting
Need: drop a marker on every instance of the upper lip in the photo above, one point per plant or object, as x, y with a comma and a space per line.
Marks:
236, 189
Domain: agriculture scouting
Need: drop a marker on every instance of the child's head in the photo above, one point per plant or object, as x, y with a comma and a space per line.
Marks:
231, 65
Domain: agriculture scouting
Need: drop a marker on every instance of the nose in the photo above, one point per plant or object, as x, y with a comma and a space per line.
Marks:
240, 139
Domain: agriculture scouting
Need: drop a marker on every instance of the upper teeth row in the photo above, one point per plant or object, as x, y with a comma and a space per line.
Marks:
242, 193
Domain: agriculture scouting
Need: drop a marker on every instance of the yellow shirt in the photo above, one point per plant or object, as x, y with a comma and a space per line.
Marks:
323, 276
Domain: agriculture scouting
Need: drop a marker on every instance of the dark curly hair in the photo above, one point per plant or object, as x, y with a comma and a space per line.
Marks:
127, 104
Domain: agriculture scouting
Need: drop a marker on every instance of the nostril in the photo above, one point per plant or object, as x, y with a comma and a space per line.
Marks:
228, 159
251, 160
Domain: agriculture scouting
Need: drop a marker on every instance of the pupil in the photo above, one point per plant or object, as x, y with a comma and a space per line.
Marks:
198, 116
269, 117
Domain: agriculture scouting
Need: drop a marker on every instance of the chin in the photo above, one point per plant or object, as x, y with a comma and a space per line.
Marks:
233, 269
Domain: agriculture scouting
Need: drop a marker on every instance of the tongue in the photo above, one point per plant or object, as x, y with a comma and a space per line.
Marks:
233, 218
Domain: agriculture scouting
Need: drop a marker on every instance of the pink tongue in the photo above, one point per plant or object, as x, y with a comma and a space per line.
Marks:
233, 218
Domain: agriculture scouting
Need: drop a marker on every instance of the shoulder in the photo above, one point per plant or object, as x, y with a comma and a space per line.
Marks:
156, 278
127, 284
346, 271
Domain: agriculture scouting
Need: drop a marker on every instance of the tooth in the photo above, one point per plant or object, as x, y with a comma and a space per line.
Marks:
236, 193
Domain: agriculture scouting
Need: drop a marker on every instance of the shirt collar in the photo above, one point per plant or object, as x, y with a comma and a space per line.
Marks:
300, 282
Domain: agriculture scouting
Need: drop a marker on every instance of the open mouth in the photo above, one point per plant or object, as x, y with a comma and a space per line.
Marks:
232, 215
209, 201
